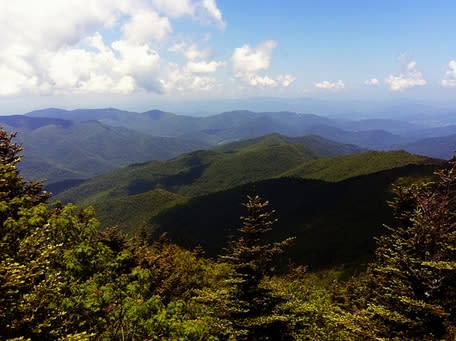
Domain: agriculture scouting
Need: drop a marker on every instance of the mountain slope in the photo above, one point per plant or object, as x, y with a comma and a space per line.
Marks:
204, 172
440, 147
341, 168
334, 223
56, 150
135, 211
321, 146
235, 125
207, 171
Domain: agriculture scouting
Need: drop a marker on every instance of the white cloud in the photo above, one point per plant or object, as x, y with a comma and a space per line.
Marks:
286, 80
119, 69
327, 85
139, 61
51, 24
13, 82
145, 26
212, 12
180, 78
247, 59
197, 58
256, 80
372, 82
193, 75
189, 51
450, 75
174, 8
412, 77
206, 10
53, 46
203, 67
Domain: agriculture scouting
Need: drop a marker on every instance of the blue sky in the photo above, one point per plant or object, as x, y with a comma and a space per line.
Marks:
139, 52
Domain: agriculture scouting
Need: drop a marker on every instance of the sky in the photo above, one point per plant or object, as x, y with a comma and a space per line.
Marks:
137, 54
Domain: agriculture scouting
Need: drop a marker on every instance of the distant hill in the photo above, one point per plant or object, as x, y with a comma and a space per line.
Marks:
443, 147
22, 122
67, 145
236, 125
321, 146
344, 167
334, 223
201, 172
397, 127
58, 150
372, 139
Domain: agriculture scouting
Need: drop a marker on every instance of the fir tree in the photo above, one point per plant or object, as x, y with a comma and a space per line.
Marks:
252, 307
413, 279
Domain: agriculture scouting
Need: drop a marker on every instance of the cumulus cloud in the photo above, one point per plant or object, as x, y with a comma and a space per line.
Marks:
174, 8
203, 66
256, 80
197, 58
286, 80
327, 85
248, 61
145, 26
411, 77
450, 75
54, 46
195, 74
190, 51
372, 82
180, 78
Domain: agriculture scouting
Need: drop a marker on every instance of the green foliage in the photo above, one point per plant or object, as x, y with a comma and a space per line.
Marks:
60, 278
63, 278
201, 172
121, 196
412, 281
351, 212
252, 305
135, 210
344, 167
135, 195
311, 304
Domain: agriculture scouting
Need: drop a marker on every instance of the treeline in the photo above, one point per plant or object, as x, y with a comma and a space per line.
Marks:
62, 278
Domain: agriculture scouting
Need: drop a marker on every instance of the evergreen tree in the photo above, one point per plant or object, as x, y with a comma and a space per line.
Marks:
413, 279
252, 307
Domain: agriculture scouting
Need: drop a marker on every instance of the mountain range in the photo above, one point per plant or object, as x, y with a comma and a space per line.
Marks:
59, 144
318, 187
186, 176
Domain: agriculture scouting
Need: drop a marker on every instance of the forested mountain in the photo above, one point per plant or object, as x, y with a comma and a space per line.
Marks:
57, 150
59, 143
344, 167
334, 223
443, 147
207, 171
141, 194
233, 125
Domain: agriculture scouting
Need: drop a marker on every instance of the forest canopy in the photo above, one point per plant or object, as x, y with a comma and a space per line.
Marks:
62, 277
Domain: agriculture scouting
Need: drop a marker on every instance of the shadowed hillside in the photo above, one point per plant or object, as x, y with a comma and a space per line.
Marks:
208, 171
334, 223
144, 193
